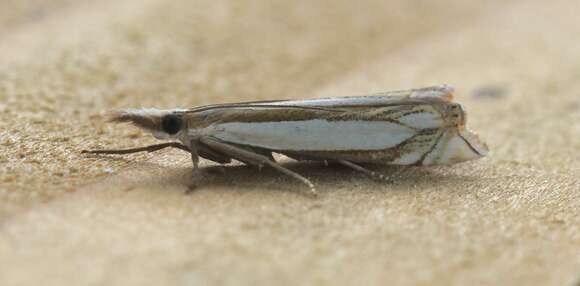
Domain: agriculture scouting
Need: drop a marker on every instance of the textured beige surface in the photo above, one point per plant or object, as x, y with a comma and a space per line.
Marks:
509, 219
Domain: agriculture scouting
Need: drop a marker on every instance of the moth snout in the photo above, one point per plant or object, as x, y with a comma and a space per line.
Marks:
163, 124
138, 117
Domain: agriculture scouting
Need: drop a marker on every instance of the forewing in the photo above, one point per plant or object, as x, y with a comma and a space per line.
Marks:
314, 135
347, 129
389, 98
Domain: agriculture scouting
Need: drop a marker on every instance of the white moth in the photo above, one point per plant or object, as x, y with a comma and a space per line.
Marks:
411, 127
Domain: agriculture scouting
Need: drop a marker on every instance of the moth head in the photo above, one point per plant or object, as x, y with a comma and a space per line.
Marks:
162, 123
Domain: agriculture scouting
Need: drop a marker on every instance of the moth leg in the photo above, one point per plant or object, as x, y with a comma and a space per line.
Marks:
194, 155
212, 155
254, 159
196, 174
264, 153
370, 173
150, 148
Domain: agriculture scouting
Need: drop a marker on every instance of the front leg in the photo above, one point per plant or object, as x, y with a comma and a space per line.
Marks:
150, 148
196, 175
194, 154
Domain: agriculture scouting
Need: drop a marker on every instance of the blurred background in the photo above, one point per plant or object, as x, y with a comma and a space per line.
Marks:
71, 219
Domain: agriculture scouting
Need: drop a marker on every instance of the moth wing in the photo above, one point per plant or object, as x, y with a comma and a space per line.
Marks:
437, 93
313, 134
328, 124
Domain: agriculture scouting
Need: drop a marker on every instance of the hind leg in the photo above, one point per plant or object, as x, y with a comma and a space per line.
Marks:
371, 173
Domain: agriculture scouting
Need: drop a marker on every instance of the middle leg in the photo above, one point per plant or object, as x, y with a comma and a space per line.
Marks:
252, 158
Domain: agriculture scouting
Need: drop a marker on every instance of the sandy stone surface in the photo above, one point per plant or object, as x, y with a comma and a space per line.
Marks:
66, 219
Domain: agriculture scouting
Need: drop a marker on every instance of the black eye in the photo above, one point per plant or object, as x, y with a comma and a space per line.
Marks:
171, 124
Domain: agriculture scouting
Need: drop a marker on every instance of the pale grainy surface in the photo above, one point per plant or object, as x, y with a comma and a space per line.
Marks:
509, 219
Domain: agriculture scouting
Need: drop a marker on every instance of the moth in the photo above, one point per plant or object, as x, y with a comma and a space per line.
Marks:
408, 127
